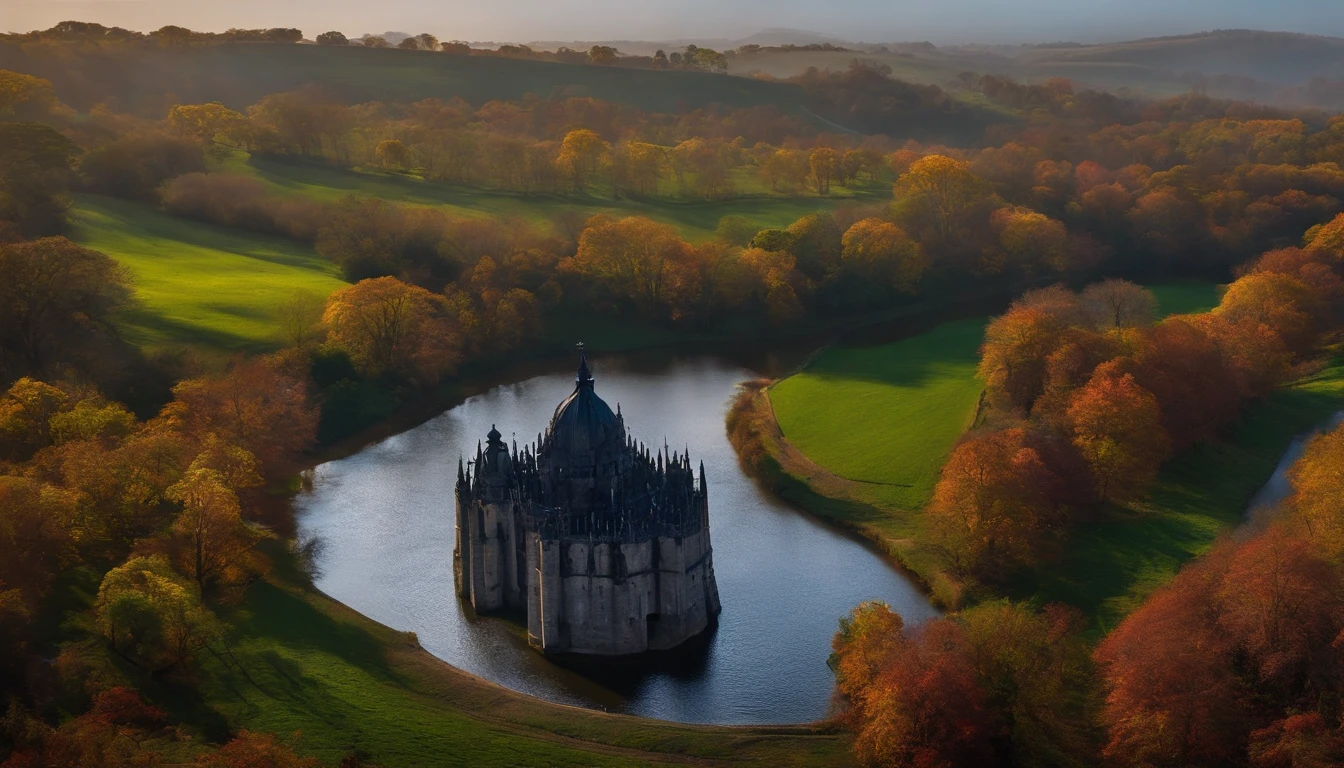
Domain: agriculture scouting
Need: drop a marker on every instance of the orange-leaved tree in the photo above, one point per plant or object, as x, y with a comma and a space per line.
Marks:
393, 329
1117, 427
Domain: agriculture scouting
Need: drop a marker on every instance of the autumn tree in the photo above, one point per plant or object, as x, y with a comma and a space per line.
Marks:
581, 156
254, 406
633, 257
824, 163
215, 543
392, 153
151, 616
996, 505
912, 697
25, 96
393, 329
1117, 427
776, 275
119, 729
205, 123
1214, 663
1297, 741
1018, 345
1327, 240
1281, 302
1035, 669
1317, 479
56, 299
1028, 241
1184, 368
254, 750
882, 251
935, 192
1115, 303
1171, 695
784, 170
26, 411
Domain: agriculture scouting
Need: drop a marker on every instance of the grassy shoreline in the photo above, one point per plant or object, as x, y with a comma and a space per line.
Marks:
835, 438
333, 682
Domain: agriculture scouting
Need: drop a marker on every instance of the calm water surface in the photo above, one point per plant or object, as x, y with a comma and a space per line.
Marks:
385, 520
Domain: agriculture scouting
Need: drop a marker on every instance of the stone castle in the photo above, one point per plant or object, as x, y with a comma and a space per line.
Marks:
602, 545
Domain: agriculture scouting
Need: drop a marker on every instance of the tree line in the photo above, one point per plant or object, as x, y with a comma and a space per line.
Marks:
1236, 662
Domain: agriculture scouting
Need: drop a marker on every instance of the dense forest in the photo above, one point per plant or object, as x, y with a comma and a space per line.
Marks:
141, 480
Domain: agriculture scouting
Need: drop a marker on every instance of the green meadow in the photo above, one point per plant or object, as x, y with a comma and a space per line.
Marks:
886, 416
1185, 298
696, 219
197, 285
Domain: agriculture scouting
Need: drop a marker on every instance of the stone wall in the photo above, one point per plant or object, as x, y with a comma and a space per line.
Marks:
490, 569
612, 598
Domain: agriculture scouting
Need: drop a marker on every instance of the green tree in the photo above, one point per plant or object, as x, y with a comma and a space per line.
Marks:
151, 616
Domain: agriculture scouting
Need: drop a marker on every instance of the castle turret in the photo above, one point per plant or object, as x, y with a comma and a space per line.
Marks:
604, 546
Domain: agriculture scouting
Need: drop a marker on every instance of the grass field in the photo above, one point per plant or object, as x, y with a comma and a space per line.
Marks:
887, 415
333, 683
696, 219
1185, 298
199, 286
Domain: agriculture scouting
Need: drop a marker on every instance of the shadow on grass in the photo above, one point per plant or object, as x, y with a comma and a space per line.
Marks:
144, 326
283, 617
140, 220
912, 362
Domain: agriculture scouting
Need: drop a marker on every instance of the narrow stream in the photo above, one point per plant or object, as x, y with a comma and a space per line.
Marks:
1278, 488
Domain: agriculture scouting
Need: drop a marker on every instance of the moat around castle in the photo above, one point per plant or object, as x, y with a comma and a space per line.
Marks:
602, 543
385, 517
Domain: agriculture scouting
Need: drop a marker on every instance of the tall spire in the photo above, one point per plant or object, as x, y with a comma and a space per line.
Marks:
584, 376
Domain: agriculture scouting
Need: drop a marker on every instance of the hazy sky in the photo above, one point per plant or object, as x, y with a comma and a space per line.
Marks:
942, 21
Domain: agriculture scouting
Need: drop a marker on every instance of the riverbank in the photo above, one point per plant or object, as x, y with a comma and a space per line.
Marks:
1110, 563
897, 532
336, 683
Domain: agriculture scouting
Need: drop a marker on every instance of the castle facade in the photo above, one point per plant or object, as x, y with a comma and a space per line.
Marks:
603, 545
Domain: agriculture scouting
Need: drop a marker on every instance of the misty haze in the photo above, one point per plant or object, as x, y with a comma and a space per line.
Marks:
521, 383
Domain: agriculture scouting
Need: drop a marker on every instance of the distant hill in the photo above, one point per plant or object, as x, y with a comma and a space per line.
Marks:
785, 36
1279, 58
1240, 64
147, 81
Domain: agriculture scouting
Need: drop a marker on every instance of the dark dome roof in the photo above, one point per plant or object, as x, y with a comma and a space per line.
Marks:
584, 431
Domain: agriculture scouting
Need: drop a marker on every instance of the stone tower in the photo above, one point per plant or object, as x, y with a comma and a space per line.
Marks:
603, 545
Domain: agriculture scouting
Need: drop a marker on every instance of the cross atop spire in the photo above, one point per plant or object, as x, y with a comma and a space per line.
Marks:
584, 376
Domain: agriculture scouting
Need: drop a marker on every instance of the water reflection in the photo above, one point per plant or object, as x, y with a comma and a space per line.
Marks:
385, 520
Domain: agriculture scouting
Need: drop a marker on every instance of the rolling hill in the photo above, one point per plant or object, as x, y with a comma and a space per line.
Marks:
147, 81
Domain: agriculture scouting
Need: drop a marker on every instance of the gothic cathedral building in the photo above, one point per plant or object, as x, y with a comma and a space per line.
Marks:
604, 546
